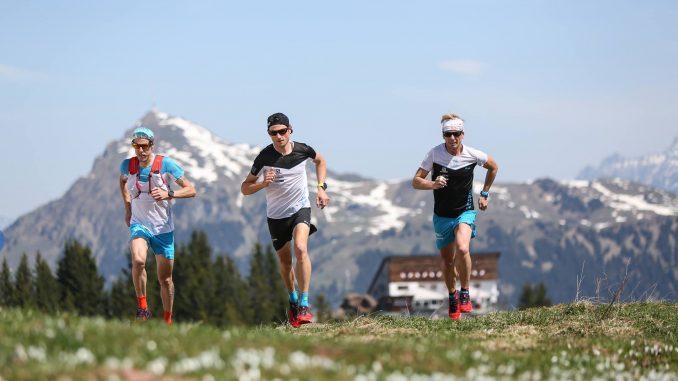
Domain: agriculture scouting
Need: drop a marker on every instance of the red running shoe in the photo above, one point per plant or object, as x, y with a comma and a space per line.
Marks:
453, 311
304, 315
292, 315
465, 304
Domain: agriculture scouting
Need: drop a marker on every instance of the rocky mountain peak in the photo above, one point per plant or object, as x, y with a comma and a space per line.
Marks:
659, 170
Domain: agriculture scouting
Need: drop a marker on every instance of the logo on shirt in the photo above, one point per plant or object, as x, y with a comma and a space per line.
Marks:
278, 176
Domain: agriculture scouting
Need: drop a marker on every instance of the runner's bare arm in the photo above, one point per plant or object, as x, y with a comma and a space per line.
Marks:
419, 181
187, 190
126, 199
492, 169
250, 185
322, 200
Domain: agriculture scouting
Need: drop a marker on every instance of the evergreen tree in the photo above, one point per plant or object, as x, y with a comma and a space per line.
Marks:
194, 280
323, 309
6, 286
259, 289
541, 298
23, 284
533, 297
81, 285
526, 298
229, 293
46, 287
277, 297
121, 297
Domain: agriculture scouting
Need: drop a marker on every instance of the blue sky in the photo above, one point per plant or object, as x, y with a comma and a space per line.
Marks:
546, 88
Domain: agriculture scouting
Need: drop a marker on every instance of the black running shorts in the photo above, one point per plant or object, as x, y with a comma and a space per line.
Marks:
282, 229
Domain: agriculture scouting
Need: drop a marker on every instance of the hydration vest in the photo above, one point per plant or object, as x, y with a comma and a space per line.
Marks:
154, 175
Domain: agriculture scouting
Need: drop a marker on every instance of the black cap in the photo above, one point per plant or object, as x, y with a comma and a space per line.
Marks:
278, 118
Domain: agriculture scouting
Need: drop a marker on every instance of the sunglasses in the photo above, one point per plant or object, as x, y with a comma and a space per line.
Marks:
456, 134
280, 132
143, 147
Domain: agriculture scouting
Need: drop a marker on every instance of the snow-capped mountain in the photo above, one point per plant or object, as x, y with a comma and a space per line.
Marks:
545, 229
659, 170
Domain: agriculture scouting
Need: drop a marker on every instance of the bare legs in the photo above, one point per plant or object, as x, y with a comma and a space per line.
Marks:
303, 266
456, 259
165, 267
139, 250
462, 256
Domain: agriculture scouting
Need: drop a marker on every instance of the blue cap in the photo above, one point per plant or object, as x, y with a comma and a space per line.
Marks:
142, 133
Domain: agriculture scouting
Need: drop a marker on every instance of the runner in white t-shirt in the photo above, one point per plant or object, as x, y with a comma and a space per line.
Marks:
281, 169
145, 188
451, 165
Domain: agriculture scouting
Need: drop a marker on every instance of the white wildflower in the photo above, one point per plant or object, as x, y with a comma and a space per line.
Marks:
151, 345
157, 366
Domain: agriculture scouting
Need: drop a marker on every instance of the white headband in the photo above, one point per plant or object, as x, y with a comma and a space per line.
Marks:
453, 125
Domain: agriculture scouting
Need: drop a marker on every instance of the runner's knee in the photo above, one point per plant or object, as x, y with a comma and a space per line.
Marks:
462, 249
165, 281
286, 262
300, 251
138, 262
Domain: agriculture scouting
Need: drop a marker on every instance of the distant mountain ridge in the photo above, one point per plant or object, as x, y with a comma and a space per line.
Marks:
545, 230
659, 170
5, 222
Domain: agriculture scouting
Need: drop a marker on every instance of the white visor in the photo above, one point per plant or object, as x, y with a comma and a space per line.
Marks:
453, 125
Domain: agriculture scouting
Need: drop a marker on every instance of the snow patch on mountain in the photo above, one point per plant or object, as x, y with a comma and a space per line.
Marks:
390, 213
632, 202
219, 157
385, 214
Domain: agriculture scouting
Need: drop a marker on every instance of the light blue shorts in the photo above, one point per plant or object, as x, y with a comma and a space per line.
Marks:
161, 244
445, 227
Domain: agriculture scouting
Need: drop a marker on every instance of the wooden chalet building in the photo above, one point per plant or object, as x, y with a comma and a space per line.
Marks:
414, 284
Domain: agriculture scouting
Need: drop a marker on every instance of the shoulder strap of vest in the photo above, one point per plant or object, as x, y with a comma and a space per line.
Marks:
157, 164
133, 166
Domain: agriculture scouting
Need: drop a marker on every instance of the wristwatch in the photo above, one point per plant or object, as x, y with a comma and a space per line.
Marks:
484, 194
322, 185
170, 193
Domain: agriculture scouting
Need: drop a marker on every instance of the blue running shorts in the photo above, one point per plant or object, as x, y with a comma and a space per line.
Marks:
161, 244
445, 227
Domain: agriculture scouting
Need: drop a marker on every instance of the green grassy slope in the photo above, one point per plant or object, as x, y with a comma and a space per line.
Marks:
576, 341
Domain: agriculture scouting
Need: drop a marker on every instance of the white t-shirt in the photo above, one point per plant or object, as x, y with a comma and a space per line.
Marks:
289, 190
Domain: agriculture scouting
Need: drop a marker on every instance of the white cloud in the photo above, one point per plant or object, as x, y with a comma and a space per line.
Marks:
461, 66
15, 74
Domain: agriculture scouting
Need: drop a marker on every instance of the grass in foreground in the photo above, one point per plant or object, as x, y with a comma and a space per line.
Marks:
576, 341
